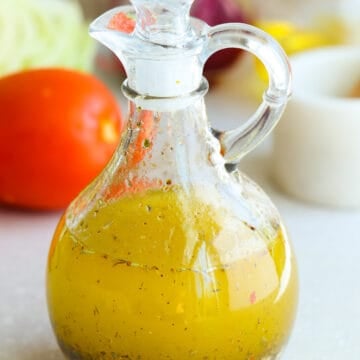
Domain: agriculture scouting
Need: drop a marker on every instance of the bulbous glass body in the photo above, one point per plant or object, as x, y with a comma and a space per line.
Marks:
167, 255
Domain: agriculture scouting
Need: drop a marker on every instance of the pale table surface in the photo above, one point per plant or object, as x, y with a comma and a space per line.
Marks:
326, 241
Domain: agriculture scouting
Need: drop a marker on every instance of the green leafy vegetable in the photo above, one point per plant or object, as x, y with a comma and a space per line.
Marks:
43, 33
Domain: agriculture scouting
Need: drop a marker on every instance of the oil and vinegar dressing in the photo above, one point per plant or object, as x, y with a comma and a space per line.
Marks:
174, 277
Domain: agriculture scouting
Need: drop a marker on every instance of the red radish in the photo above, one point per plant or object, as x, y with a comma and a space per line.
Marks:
215, 12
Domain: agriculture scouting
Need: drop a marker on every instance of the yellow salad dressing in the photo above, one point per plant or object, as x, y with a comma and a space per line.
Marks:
159, 283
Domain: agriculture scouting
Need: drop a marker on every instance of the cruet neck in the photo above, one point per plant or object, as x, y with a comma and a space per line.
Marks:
176, 145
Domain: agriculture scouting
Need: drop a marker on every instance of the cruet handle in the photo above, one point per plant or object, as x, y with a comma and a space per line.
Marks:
238, 142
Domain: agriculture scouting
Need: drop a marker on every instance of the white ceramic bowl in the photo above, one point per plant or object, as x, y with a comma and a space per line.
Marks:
317, 143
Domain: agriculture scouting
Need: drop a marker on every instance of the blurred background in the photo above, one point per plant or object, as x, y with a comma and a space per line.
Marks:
298, 26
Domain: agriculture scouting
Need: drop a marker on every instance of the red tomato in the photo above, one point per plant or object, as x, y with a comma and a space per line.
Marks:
58, 129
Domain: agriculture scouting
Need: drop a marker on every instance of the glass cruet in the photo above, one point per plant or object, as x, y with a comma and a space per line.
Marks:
172, 252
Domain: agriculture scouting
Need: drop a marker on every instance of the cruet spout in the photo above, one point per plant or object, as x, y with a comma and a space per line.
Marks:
162, 41
164, 22
116, 41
